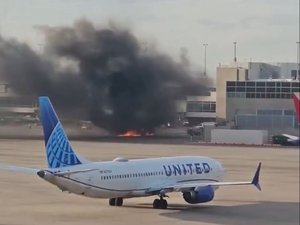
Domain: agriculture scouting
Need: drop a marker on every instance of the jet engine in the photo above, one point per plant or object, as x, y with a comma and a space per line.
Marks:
205, 194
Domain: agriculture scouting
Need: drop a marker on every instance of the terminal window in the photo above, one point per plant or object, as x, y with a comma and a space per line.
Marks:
262, 89
200, 106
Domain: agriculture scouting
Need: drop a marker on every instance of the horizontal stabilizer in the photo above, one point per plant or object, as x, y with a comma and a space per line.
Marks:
19, 169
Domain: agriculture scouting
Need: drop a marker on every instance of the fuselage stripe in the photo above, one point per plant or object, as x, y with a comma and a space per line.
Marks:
109, 189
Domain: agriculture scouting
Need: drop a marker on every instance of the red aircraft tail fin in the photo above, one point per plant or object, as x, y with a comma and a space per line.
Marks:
297, 105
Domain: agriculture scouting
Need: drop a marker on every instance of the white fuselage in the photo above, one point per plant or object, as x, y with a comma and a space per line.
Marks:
135, 178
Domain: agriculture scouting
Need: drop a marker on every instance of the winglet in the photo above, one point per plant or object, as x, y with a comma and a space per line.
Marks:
255, 180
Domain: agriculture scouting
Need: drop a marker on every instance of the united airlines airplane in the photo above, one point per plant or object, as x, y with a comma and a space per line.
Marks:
195, 177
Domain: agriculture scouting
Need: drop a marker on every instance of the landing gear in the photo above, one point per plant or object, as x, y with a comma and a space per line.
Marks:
160, 203
116, 201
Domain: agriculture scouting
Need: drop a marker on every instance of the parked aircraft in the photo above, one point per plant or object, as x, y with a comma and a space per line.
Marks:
291, 139
296, 99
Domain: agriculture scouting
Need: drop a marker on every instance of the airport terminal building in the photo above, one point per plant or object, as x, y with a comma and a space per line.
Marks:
262, 104
16, 108
201, 108
252, 95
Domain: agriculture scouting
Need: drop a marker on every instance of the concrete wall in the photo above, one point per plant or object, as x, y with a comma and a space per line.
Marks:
207, 128
201, 114
249, 137
250, 105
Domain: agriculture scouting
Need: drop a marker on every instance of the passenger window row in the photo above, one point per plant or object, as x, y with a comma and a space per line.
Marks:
131, 175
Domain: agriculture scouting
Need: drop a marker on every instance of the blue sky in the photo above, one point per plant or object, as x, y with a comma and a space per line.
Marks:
266, 30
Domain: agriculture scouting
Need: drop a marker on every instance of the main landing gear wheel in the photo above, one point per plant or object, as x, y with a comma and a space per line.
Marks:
116, 201
160, 204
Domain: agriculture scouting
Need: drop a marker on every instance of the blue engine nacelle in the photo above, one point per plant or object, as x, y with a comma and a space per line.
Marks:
205, 194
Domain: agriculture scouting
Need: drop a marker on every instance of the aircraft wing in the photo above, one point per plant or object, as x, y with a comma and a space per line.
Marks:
19, 169
195, 186
198, 186
291, 137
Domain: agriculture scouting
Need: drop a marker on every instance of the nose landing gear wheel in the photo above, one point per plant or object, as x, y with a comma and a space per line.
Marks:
112, 201
116, 201
119, 201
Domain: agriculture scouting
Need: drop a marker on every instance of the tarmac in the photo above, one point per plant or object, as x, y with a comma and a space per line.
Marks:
28, 200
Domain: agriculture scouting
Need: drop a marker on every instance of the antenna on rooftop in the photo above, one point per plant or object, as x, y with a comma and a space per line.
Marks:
234, 59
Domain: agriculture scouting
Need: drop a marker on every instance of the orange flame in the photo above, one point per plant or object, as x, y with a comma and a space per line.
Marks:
130, 133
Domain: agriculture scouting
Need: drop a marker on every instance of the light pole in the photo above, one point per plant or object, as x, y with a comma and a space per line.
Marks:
298, 62
298, 44
205, 45
234, 59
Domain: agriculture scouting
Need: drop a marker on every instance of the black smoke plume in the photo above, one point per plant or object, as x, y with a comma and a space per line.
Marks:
108, 77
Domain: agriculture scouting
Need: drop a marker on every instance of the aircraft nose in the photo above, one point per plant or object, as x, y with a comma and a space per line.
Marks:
41, 173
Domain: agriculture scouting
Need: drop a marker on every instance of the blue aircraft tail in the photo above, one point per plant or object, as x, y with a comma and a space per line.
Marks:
58, 149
